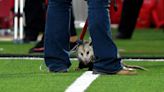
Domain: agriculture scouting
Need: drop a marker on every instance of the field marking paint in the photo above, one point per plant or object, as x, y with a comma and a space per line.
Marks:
27, 58
83, 82
19, 58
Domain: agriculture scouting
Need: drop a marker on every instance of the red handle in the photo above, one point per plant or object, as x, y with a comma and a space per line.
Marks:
82, 34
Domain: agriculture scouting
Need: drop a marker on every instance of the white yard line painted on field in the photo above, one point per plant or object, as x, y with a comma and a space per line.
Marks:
27, 58
83, 82
19, 58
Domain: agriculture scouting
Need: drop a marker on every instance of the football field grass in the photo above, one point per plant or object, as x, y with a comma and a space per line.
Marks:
24, 75
145, 42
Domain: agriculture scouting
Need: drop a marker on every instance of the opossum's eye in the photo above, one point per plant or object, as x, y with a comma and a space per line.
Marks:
87, 52
82, 54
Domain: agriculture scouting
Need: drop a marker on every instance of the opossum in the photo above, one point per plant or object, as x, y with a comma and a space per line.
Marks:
86, 58
85, 55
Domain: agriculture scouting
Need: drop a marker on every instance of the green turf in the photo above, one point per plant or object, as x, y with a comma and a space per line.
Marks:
145, 81
13, 48
145, 42
25, 76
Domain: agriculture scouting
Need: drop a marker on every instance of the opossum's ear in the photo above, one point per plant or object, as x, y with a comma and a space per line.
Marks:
85, 42
90, 41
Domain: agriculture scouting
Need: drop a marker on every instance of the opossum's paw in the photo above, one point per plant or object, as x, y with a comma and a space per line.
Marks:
90, 69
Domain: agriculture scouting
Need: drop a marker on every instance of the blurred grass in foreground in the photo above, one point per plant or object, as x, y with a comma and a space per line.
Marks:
145, 42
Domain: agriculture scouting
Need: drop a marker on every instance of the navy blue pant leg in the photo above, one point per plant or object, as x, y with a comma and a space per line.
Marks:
57, 35
99, 26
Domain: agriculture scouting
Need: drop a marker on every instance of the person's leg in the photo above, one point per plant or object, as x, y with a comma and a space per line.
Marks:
35, 19
73, 34
39, 47
57, 35
72, 25
105, 50
128, 19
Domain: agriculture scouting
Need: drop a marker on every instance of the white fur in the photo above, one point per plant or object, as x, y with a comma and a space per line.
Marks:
85, 53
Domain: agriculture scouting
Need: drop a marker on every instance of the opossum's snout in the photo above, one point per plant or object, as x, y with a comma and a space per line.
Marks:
86, 61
